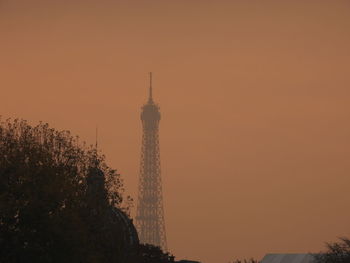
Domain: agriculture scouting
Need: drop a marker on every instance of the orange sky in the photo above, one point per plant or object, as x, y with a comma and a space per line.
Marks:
254, 97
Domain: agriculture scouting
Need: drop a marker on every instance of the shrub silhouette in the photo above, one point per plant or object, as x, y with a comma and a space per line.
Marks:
337, 252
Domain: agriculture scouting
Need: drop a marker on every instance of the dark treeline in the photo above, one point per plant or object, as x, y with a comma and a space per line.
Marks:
57, 198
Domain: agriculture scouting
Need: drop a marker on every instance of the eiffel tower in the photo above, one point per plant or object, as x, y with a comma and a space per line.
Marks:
150, 214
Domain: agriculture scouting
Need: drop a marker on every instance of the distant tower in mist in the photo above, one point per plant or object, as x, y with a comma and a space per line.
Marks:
150, 214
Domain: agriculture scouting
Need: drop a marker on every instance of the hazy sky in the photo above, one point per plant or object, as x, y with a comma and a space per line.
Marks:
254, 97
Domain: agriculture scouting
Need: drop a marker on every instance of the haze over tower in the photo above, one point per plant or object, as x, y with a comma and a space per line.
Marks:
150, 214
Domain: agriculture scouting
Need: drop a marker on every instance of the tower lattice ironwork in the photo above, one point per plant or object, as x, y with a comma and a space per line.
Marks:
150, 214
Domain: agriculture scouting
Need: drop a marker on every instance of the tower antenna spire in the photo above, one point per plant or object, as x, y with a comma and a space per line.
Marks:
150, 88
96, 139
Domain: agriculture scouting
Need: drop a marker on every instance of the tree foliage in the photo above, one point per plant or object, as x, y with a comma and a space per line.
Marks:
337, 252
45, 213
153, 254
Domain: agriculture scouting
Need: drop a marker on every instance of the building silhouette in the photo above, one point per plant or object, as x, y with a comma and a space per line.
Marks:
288, 258
97, 200
150, 214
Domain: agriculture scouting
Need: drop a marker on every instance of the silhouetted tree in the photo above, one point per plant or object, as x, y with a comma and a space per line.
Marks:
338, 252
153, 254
48, 211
